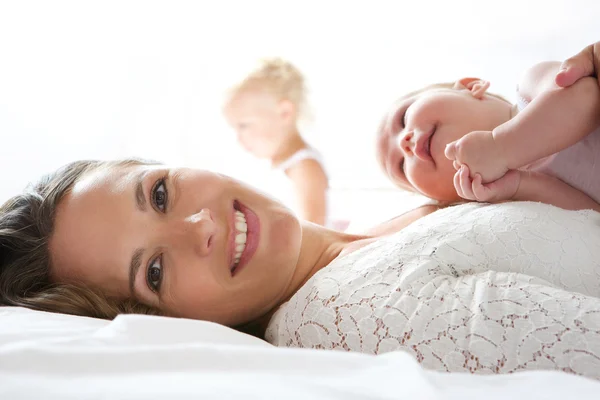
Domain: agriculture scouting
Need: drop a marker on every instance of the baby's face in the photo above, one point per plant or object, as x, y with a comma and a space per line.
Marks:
414, 133
256, 119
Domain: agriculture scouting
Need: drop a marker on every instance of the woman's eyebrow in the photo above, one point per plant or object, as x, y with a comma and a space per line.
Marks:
134, 266
140, 197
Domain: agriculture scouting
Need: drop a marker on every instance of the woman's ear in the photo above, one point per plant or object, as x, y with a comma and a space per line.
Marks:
477, 87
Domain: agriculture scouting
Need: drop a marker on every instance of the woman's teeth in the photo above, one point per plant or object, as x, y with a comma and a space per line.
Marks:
240, 237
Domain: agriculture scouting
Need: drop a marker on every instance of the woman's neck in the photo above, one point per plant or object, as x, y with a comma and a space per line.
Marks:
289, 147
320, 246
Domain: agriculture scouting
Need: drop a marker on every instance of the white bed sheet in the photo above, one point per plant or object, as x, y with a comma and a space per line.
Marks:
51, 356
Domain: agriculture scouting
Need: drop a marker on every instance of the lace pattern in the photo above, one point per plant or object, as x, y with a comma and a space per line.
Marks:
477, 288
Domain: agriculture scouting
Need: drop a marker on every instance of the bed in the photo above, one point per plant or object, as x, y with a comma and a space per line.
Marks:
52, 356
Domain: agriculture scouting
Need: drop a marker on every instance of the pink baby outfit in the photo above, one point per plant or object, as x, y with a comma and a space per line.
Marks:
578, 165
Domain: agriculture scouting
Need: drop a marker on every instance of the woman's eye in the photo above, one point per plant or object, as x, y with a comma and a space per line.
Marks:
154, 274
160, 195
404, 117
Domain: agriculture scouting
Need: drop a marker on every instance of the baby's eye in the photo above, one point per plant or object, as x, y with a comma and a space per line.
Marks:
404, 117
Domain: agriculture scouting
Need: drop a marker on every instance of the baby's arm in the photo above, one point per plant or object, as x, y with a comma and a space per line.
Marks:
555, 119
310, 184
537, 186
523, 186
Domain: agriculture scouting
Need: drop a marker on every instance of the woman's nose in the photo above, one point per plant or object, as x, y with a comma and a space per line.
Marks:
200, 229
406, 142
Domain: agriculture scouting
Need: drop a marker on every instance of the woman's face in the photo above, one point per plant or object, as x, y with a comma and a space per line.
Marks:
191, 243
258, 121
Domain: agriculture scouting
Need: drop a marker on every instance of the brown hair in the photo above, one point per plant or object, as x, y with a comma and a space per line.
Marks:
26, 225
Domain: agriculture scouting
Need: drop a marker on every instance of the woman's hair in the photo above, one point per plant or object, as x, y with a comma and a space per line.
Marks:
277, 77
26, 226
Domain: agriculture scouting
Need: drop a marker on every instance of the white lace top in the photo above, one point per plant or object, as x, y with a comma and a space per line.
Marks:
476, 287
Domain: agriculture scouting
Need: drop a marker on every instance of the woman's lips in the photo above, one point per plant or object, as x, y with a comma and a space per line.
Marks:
252, 237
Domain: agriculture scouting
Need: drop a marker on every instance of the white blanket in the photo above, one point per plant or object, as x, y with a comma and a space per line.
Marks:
472, 288
57, 357
51, 356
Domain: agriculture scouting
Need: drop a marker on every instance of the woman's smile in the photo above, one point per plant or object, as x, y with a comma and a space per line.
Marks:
244, 237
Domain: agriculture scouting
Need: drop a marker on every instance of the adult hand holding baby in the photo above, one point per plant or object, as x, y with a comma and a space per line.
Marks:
482, 171
585, 63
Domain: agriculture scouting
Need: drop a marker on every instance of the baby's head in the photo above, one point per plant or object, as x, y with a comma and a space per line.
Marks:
264, 107
415, 131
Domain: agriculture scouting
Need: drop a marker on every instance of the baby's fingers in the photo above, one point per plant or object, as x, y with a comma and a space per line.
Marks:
480, 191
457, 186
466, 184
450, 151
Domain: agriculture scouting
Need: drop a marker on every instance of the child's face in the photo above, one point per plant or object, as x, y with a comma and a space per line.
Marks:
416, 130
256, 118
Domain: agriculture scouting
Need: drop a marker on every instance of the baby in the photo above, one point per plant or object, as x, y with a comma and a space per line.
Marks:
264, 109
458, 141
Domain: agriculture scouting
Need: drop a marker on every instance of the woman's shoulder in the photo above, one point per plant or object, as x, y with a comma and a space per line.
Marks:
402, 221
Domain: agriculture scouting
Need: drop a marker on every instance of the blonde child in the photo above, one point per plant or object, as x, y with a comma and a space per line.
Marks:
457, 141
264, 109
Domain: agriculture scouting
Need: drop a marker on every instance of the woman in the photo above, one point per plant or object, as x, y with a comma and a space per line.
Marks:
133, 235
99, 238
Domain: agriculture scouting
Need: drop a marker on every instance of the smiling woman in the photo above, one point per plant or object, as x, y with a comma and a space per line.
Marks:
135, 236
189, 243
103, 238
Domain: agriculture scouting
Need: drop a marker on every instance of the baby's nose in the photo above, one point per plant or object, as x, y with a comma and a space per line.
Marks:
406, 142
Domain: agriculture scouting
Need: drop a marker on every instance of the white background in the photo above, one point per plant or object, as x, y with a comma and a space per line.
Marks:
107, 79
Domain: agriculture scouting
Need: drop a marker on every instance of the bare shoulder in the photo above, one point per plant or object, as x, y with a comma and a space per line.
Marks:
538, 78
307, 172
402, 221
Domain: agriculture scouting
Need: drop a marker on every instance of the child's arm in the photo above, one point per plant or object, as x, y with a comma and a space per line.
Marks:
523, 186
310, 185
555, 119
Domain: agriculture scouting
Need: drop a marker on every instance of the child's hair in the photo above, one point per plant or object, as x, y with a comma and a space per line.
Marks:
26, 226
277, 77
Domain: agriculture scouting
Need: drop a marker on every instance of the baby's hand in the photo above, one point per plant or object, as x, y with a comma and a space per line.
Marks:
473, 189
479, 151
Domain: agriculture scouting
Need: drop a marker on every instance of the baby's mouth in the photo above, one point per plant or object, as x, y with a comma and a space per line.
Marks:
428, 144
